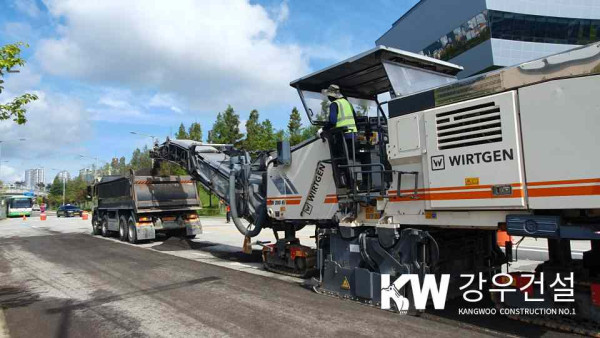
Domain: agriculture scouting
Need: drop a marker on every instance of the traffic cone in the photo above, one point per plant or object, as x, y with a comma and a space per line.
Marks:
24, 218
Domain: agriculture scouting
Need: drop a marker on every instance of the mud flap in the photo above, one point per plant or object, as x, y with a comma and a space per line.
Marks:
145, 232
193, 228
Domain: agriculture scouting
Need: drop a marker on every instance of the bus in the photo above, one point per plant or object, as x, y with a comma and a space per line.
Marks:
19, 206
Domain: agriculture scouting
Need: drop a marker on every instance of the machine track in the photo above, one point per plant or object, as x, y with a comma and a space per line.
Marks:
282, 270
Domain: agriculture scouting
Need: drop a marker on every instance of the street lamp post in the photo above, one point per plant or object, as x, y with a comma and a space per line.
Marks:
3, 183
95, 158
154, 141
1, 141
154, 138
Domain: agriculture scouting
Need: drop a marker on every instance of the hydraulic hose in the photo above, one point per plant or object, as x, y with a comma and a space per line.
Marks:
234, 214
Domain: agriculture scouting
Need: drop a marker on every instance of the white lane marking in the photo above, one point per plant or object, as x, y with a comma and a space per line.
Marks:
3, 326
573, 252
241, 265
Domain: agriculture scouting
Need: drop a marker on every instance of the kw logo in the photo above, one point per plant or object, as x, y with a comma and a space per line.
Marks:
420, 293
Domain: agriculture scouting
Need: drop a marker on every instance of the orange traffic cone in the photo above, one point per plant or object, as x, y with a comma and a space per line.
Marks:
24, 218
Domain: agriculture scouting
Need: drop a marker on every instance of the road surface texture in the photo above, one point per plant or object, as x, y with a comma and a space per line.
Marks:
58, 280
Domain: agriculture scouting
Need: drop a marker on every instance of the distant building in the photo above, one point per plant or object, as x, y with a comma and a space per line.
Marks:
482, 35
33, 177
87, 175
63, 175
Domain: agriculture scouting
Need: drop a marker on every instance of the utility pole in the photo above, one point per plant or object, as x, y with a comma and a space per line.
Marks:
64, 186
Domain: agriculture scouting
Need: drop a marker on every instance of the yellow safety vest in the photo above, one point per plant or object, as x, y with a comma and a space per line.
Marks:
345, 118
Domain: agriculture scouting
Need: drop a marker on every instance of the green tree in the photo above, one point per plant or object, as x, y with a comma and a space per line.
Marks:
114, 166
145, 160
260, 135
267, 141
277, 136
254, 132
169, 169
295, 127
134, 163
123, 166
181, 133
226, 128
56, 192
309, 132
195, 132
10, 56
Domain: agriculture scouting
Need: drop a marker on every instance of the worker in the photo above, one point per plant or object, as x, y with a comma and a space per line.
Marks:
228, 213
341, 114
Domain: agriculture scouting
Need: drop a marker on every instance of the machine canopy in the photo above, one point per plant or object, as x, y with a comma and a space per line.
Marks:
377, 71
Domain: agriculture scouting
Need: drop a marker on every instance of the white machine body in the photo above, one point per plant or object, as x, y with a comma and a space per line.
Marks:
534, 151
514, 141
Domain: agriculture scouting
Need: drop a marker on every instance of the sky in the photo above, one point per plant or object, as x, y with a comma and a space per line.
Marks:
105, 68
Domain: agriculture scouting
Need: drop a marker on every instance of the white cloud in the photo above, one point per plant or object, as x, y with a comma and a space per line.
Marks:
9, 174
165, 101
18, 31
28, 7
55, 122
22, 81
210, 53
283, 11
57, 126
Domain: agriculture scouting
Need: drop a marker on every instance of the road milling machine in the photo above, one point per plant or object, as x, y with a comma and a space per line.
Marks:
438, 166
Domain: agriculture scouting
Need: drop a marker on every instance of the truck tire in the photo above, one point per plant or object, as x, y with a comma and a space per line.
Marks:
105, 232
96, 230
132, 234
123, 229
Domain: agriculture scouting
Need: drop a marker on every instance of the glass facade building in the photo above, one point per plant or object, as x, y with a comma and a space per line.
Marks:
482, 35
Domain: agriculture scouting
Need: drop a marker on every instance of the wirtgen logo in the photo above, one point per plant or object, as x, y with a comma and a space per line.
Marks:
420, 292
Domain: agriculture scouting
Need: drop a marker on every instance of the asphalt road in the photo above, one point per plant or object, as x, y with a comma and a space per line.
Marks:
57, 280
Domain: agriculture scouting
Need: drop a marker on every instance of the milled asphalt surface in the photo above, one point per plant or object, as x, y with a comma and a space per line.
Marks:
58, 280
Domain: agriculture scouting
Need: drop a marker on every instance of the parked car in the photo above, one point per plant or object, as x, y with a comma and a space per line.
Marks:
68, 211
35, 207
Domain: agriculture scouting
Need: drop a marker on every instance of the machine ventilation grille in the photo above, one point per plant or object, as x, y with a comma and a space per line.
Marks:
469, 126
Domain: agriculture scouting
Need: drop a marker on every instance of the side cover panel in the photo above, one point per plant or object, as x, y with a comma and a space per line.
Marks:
560, 121
305, 189
474, 156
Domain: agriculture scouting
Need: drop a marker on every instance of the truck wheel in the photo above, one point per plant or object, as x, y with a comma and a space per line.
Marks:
96, 225
131, 231
123, 229
105, 232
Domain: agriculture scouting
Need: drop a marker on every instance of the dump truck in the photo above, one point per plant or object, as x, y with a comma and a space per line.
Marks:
438, 166
137, 207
